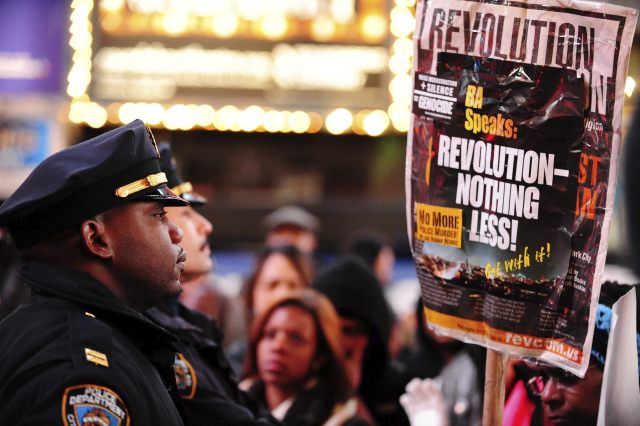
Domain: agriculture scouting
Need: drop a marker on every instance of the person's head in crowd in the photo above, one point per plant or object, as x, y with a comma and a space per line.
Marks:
295, 347
375, 250
357, 296
566, 398
437, 344
195, 227
99, 207
277, 269
292, 225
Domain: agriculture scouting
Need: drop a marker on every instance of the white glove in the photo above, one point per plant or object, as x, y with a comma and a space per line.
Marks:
424, 403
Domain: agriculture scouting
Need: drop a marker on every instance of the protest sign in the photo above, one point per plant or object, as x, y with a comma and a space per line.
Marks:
512, 159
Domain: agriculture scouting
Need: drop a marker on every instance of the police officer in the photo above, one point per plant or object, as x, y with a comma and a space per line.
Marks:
210, 394
98, 247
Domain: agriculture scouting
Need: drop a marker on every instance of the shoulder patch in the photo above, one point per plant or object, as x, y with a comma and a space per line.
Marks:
186, 378
93, 405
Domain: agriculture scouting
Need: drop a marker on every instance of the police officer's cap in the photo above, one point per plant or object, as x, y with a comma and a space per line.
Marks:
177, 185
84, 180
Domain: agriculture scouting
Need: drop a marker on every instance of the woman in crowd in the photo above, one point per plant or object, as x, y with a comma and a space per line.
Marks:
295, 364
277, 270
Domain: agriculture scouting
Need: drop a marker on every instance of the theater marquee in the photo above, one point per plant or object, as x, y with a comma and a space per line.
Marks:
243, 65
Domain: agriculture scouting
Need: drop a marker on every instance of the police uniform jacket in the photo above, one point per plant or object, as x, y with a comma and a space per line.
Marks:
210, 393
76, 355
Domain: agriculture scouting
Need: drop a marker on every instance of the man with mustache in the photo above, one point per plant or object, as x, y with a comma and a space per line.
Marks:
210, 394
99, 249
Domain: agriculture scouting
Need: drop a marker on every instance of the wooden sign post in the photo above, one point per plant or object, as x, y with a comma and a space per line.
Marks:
494, 382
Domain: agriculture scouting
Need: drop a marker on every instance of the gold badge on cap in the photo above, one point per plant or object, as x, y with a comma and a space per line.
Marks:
183, 188
96, 357
140, 184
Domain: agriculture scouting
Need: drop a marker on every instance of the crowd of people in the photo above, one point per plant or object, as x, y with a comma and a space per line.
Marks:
124, 322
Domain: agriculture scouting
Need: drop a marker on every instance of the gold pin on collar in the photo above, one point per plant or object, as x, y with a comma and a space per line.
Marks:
96, 357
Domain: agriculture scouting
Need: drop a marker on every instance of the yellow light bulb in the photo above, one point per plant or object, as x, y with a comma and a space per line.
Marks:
339, 121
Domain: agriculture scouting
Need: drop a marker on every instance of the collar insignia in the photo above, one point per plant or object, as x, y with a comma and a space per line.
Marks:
96, 357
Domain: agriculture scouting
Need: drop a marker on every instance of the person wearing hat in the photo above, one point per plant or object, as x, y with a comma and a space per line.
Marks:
357, 296
205, 381
98, 249
292, 225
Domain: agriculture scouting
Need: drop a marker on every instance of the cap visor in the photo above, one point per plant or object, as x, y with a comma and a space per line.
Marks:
194, 198
161, 194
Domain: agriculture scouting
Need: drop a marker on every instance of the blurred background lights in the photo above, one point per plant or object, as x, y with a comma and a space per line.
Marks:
96, 115
358, 122
251, 118
399, 64
273, 121
251, 10
205, 115
399, 114
400, 88
286, 115
339, 121
227, 118
225, 24
146, 6
299, 122
376, 122
111, 5
127, 112
402, 21
373, 27
316, 122
629, 86
77, 111
112, 113
228, 19
179, 117
403, 47
138, 23
406, 3
175, 23
152, 113
79, 76
274, 26
323, 28
342, 10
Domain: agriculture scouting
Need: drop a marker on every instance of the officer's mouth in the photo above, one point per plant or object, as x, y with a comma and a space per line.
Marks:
182, 257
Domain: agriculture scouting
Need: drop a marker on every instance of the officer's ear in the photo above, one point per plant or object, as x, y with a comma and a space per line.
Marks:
95, 238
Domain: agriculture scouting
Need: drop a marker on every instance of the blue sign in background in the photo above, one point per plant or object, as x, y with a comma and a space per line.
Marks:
23, 143
33, 45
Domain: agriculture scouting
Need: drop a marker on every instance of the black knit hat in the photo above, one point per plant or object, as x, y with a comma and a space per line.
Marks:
355, 292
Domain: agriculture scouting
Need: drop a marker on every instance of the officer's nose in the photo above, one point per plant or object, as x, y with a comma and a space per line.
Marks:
204, 225
175, 233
